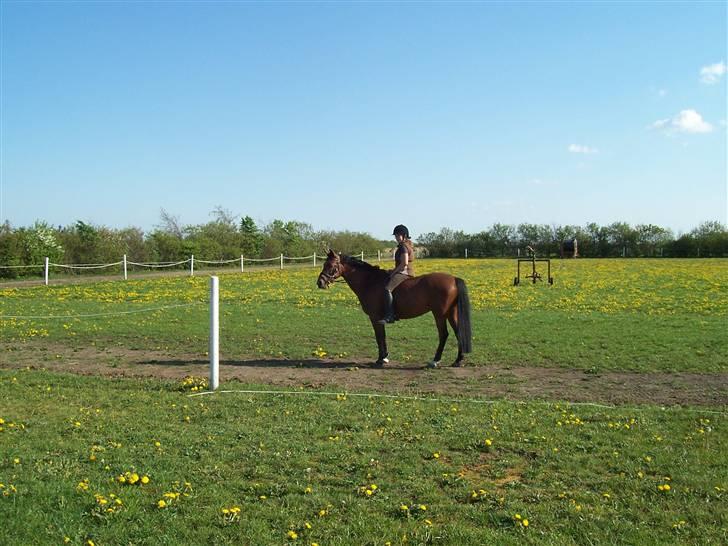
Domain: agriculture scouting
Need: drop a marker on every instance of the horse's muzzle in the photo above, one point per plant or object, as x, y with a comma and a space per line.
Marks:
322, 283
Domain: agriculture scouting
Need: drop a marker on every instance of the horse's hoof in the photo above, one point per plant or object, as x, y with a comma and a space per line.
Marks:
433, 364
381, 362
458, 364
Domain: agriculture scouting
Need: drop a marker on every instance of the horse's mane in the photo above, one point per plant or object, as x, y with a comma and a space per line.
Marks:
359, 264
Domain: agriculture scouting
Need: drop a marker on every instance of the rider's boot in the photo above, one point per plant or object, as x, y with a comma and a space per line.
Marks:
388, 308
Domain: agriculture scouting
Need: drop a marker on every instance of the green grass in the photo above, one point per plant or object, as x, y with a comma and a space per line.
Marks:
638, 315
579, 474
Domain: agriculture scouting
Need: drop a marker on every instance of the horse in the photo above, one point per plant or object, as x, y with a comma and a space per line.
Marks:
442, 294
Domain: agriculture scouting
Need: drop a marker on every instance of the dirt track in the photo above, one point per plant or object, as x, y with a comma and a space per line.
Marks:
489, 381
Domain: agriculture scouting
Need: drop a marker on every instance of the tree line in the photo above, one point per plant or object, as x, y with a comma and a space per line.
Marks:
618, 239
226, 237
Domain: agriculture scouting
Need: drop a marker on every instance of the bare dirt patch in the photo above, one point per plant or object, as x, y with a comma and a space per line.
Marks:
487, 381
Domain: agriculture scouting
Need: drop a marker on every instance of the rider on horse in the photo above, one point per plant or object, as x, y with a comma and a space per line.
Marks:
402, 271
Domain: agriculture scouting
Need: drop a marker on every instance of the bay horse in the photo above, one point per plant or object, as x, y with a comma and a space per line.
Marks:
442, 294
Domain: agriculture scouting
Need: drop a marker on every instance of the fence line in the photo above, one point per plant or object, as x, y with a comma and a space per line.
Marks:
86, 266
95, 315
159, 264
124, 263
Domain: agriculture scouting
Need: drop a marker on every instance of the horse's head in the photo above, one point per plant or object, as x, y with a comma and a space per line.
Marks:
332, 270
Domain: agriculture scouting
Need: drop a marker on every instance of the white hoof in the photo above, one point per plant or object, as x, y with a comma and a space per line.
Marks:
385, 360
433, 364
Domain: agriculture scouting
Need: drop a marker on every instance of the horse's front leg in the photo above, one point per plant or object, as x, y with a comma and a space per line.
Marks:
381, 336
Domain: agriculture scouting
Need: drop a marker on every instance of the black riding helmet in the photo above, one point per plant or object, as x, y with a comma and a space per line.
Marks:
401, 230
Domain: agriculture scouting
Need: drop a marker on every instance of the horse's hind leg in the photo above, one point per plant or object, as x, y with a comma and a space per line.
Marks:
442, 333
454, 325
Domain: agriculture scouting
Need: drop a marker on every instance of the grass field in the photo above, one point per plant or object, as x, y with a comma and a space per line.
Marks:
345, 468
641, 315
341, 469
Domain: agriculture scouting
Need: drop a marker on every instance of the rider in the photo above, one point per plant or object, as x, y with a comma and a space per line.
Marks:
402, 271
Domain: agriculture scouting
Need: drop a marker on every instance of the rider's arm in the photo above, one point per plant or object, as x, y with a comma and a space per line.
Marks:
401, 264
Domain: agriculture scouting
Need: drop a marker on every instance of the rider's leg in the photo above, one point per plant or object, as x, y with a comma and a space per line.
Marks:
393, 283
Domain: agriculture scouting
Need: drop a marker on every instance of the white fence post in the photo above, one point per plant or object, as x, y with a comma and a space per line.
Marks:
314, 259
242, 267
45, 275
192, 265
379, 255
466, 253
214, 348
362, 255
281, 261
125, 277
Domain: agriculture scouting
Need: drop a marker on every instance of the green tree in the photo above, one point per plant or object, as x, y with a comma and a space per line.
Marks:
40, 242
251, 239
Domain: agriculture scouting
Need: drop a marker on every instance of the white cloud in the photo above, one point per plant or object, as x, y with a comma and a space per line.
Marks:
581, 149
712, 73
687, 121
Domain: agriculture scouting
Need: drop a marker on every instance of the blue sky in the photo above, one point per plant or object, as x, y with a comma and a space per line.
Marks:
364, 115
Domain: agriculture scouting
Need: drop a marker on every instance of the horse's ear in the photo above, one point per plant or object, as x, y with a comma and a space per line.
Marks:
331, 253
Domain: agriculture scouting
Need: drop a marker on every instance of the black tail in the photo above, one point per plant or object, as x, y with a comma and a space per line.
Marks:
465, 339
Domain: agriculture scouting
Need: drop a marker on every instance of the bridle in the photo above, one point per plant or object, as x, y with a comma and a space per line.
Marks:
334, 277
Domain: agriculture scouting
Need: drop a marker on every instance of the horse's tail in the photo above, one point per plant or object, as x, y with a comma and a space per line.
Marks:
465, 338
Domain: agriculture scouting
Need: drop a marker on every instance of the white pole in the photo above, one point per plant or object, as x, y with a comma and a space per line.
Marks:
214, 333
242, 267
192, 265
466, 253
379, 255
281, 261
314, 259
125, 277
45, 276
362, 255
